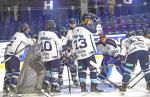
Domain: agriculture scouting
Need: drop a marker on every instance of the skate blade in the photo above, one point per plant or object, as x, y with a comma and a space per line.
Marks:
84, 93
46, 94
14, 95
54, 94
96, 93
122, 93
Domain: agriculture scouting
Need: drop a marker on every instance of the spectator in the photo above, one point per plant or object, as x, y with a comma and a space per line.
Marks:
101, 7
111, 5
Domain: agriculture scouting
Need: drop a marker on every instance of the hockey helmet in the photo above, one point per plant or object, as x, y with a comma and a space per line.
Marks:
131, 33
87, 16
63, 30
72, 21
24, 27
101, 35
50, 25
69, 44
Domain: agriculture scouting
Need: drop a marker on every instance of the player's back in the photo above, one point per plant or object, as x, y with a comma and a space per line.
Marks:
84, 45
49, 45
18, 42
134, 43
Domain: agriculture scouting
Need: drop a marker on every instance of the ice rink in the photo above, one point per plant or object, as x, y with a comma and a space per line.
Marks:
137, 91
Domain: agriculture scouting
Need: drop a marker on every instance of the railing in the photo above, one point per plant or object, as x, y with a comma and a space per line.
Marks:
124, 18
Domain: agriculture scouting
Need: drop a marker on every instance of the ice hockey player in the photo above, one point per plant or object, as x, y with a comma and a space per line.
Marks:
84, 47
18, 41
110, 51
50, 46
97, 24
68, 59
147, 36
135, 48
62, 34
72, 25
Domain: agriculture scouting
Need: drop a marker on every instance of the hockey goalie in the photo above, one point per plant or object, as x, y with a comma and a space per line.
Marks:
32, 73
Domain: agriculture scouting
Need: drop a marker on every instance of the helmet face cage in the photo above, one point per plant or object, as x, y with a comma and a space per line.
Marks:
50, 25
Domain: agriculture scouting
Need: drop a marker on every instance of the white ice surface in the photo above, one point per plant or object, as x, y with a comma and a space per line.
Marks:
138, 91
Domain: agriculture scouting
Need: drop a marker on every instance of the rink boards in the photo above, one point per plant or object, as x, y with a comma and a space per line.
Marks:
96, 37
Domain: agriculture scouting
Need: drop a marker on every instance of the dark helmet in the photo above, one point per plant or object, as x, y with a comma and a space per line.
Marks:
69, 44
145, 33
131, 33
72, 21
87, 16
63, 30
24, 27
50, 25
101, 35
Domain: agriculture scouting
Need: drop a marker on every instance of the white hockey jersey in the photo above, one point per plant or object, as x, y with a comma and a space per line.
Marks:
83, 43
63, 40
134, 43
99, 28
50, 45
69, 35
18, 42
109, 48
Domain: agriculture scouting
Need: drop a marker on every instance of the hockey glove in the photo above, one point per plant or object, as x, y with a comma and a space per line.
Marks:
121, 58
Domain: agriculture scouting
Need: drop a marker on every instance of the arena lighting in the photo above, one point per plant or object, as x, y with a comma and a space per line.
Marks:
48, 4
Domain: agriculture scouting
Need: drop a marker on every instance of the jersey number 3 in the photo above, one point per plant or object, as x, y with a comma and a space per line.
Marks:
80, 43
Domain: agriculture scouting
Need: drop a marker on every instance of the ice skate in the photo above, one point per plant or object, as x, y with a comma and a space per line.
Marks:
148, 86
5, 92
75, 83
55, 90
95, 90
84, 91
122, 89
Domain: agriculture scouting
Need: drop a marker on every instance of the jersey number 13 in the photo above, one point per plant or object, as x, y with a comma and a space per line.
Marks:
80, 43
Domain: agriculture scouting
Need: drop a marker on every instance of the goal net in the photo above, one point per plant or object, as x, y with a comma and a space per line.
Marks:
32, 73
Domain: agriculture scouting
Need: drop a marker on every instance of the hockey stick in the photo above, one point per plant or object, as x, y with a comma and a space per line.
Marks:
110, 85
69, 80
134, 77
14, 54
136, 82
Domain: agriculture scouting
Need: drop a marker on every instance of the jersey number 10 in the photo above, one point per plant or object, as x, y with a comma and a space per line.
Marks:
46, 46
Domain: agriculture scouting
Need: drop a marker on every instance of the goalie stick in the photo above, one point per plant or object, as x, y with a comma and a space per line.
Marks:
136, 82
92, 63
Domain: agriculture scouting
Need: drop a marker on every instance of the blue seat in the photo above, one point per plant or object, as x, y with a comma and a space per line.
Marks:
131, 27
139, 26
